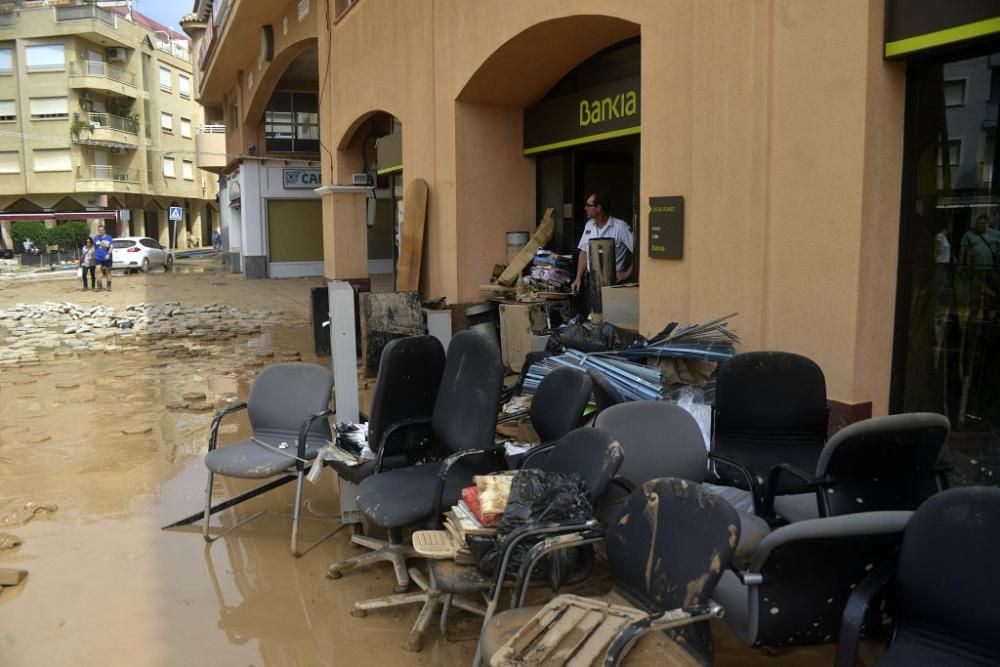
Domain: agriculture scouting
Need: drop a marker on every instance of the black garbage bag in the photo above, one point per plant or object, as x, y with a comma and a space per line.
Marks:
600, 338
537, 498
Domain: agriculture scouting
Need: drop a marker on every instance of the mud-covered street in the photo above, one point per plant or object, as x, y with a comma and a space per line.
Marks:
104, 443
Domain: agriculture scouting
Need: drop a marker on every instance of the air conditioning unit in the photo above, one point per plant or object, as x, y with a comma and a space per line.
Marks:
117, 54
360, 179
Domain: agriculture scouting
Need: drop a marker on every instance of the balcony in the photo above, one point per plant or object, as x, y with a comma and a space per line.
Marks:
106, 129
177, 49
86, 13
100, 76
210, 147
91, 22
7, 20
106, 178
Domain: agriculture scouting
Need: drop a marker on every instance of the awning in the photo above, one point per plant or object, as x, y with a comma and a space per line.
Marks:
27, 216
82, 215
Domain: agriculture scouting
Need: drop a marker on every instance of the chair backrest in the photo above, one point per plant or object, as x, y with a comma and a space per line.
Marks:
409, 375
558, 403
592, 453
770, 408
605, 393
947, 581
465, 413
809, 569
660, 440
884, 463
283, 396
669, 548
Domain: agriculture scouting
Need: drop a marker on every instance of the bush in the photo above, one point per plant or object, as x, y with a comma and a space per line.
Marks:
69, 235
29, 229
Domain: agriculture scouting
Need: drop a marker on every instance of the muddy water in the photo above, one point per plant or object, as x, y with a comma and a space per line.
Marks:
93, 435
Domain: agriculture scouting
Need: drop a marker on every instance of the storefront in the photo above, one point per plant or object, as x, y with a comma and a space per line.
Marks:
947, 344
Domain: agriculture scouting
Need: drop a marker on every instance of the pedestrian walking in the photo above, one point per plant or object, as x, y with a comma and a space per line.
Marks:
102, 255
88, 262
216, 241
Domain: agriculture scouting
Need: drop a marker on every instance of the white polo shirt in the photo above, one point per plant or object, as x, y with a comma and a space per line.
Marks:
616, 229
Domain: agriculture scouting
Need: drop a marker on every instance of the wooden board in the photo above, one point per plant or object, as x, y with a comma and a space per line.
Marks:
542, 236
411, 236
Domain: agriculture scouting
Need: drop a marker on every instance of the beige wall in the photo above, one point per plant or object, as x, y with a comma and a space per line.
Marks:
777, 120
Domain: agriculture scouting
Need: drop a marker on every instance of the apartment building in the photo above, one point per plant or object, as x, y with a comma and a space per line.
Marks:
98, 122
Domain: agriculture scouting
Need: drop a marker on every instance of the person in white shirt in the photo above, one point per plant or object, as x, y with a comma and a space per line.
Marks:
601, 225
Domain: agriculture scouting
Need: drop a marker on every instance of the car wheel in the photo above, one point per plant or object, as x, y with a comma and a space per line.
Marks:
168, 265
145, 264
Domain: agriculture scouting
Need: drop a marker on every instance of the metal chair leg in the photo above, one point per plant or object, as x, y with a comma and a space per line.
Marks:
295, 514
208, 505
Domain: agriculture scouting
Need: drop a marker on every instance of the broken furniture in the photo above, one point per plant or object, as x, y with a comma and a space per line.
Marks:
798, 579
288, 407
945, 586
664, 554
591, 453
662, 439
557, 405
388, 316
770, 408
883, 463
524, 327
406, 389
463, 420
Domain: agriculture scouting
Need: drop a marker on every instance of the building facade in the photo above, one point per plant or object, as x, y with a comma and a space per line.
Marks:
98, 122
818, 147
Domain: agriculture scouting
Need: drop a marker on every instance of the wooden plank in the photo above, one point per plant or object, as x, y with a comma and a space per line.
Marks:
11, 577
411, 236
542, 236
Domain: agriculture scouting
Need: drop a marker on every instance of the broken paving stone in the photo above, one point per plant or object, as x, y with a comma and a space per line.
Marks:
9, 541
194, 396
67, 385
137, 430
27, 512
177, 405
200, 406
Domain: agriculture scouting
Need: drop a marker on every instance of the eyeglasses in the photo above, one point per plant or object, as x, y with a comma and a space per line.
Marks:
589, 205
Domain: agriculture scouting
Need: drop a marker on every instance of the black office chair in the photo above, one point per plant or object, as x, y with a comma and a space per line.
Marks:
605, 393
770, 408
664, 554
406, 390
946, 585
463, 422
883, 463
558, 404
288, 407
589, 452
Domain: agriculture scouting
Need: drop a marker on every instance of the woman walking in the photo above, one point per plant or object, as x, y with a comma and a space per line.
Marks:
87, 263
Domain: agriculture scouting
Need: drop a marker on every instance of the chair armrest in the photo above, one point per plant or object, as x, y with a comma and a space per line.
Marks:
772, 483
446, 467
217, 420
672, 618
535, 451
857, 608
561, 541
391, 430
304, 433
752, 484
622, 483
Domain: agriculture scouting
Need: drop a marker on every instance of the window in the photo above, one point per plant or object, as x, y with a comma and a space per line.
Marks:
6, 61
291, 123
8, 111
954, 93
184, 85
949, 162
167, 122
45, 57
47, 108
10, 162
150, 243
186, 128
187, 170
165, 83
52, 159
168, 168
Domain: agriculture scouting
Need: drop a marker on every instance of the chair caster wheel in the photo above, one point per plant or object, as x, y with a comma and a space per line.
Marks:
359, 613
400, 588
334, 574
413, 645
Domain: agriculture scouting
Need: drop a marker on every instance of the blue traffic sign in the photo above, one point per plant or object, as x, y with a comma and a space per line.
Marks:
176, 213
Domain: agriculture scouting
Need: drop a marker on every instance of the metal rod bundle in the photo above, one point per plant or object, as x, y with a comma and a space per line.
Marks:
635, 381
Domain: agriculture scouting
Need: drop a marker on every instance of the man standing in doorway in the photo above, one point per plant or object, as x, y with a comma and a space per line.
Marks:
601, 225
102, 255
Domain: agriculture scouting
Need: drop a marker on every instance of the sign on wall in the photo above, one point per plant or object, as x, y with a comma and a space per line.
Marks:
301, 179
176, 213
666, 227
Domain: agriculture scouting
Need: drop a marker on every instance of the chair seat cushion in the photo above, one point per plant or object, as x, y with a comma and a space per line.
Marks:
249, 460
654, 648
403, 497
752, 527
796, 507
362, 471
450, 577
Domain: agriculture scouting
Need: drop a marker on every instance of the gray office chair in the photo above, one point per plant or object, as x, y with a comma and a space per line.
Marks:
288, 408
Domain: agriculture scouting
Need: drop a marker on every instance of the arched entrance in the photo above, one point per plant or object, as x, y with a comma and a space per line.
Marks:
507, 161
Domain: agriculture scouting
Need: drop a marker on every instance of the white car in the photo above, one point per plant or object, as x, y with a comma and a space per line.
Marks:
139, 253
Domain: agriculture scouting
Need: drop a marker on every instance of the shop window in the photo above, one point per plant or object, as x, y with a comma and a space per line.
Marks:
10, 162
291, 123
6, 61
48, 108
8, 111
45, 57
52, 159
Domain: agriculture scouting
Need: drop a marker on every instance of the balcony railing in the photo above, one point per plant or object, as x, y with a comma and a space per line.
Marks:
82, 12
102, 69
211, 129
104, 172
8, 20
105, 120
178, 50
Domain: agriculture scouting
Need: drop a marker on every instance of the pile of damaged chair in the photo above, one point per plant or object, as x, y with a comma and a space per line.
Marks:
789, 536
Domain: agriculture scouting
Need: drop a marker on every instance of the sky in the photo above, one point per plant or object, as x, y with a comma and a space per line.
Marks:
167, 12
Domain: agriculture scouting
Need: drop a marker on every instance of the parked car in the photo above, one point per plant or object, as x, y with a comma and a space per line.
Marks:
140, 253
